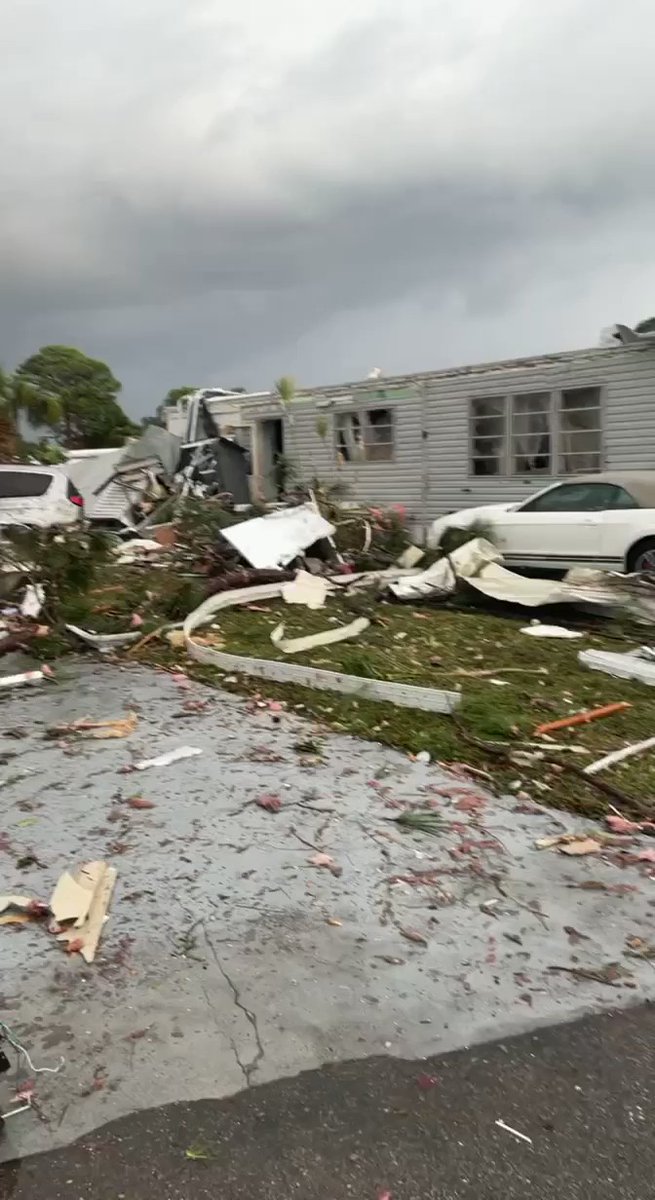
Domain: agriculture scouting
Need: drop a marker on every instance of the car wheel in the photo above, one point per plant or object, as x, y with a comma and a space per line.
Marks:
642, 556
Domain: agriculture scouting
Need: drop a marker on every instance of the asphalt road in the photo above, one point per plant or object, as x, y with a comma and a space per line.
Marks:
417, 1131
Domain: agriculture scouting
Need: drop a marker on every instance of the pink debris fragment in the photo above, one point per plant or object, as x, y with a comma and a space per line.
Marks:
136, 621
622, 825
426, 1082
181, 680
470, 803
270, 803
646, 856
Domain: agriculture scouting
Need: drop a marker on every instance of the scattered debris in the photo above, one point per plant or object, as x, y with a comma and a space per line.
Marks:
18, 910
8, 681
308, 590
536, 629
617, 756
83, 899
325, 860
582, 718
427, 1082
275, 540
120, 728
165, 760
619, 824
327, 637
9, 1036
574, 844
139, 802
271, 803
621, 666
413, 935
508, 1129
610, 973
105, 643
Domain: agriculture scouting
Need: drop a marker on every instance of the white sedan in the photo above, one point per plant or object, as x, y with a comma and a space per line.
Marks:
605, 520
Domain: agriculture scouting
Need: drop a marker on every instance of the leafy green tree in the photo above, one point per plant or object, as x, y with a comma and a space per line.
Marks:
20, 398
647, 326
83, 393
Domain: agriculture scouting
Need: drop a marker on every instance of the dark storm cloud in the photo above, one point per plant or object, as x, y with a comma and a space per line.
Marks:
202, 198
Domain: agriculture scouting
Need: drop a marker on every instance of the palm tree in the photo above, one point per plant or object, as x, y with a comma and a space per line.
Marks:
18, 397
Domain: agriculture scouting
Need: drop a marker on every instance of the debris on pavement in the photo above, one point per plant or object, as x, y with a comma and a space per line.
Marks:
326, 861
327, 637
619, 824
270, 803
508, 1129
9, 1036
610, 973
18, 910
414, 935
121, 727
574, 844
139, 802
581, 718
83, 899
25, 677
165, 760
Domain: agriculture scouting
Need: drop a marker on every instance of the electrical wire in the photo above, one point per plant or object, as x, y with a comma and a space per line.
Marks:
6, 1033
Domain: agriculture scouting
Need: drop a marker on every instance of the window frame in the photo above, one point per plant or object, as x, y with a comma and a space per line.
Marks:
361, 412
508, 399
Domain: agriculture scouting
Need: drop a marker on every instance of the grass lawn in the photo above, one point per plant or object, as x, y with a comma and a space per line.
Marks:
403, 644
443, 646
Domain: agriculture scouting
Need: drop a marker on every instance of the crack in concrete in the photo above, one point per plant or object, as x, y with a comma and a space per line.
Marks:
248, 1069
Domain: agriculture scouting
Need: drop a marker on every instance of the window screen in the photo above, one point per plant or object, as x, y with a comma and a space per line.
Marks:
365, 436
580, 430
488, 436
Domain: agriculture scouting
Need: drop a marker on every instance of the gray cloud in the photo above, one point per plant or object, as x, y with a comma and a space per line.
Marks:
202, 198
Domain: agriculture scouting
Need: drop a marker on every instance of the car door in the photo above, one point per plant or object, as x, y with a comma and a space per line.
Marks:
560, 527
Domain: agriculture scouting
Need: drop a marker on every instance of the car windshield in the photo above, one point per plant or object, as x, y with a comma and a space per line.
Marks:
21, 484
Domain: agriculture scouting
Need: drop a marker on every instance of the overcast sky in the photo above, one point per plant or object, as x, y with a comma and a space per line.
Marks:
201, 192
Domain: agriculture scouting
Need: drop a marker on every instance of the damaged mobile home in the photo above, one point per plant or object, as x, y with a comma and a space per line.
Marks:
444, 440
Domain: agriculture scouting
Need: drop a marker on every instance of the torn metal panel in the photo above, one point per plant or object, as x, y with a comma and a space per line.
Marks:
622, 666
308, 590
327, 637
275, 540
405, 695
478, 563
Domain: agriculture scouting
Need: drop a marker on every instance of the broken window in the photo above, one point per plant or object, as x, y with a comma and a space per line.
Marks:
488, 436
580, 431
364, 437
531, 425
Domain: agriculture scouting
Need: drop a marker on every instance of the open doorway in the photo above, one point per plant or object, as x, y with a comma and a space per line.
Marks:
271, 467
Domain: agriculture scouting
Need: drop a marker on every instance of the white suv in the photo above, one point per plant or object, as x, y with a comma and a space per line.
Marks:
36, 495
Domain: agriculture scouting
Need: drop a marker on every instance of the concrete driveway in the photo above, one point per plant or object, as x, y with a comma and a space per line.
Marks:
230, 959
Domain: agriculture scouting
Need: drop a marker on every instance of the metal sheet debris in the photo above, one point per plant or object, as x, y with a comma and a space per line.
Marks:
478, 563
106, 643
308, 590
327, 637
276, 539
405, 695
621, 666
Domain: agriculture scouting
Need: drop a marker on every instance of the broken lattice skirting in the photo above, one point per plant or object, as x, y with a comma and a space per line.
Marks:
403, 694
